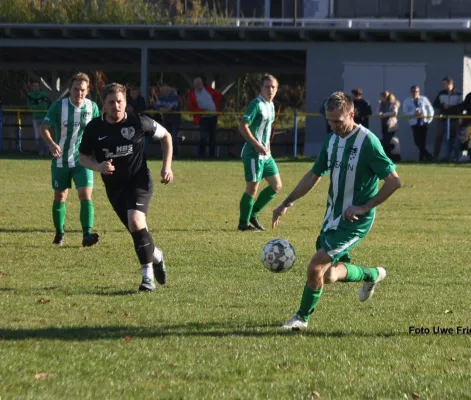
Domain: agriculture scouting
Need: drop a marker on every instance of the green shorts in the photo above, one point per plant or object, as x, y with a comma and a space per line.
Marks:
338, 244
62, 177
256, 169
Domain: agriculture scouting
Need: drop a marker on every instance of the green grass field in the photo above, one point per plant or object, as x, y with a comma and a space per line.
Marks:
74, 327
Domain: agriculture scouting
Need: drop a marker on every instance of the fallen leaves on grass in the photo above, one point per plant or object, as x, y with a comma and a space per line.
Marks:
452, 359
2, 274
41, 375
127, 339
127, 314
153, 373
43, 301
415, 395
315, 394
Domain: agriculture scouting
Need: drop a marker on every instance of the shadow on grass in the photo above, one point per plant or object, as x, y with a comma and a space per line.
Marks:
210, 329
116, 293
50, 231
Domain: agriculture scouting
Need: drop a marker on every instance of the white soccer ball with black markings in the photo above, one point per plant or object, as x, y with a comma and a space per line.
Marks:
278, 255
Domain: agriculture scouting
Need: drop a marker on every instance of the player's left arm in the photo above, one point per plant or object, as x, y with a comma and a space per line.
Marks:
391, 183
382, 166
158, 132
95, 110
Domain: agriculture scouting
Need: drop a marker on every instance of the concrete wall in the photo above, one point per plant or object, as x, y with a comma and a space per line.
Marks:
324, 75
401, 8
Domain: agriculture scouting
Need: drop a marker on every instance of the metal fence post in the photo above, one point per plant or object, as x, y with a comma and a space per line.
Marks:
448, 135
1, 130
20, 133
295, 146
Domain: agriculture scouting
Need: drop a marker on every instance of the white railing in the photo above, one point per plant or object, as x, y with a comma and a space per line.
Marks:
320, 23
358, 23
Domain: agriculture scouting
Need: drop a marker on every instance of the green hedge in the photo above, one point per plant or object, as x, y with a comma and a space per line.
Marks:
109, 12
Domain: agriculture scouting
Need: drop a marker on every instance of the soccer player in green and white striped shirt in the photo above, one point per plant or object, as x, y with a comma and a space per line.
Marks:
62, 131
355, 161
256, 128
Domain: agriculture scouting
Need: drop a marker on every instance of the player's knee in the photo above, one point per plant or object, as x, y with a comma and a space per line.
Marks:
60, 196
85, 194
277, 187
251, 189
315, 272
136, 221
330, 275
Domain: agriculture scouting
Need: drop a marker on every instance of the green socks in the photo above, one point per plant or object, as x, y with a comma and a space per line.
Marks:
360, 274
308, 302
87, 216
354, 274
246, 205
58, 215
265, 196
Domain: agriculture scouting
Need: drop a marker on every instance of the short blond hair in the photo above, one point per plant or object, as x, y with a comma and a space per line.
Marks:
339, 101
113, 88
79, 77
268, 77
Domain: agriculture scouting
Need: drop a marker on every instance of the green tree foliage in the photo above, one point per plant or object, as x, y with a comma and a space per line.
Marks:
112, 12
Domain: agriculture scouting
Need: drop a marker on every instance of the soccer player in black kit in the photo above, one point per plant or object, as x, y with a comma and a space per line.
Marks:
112, 144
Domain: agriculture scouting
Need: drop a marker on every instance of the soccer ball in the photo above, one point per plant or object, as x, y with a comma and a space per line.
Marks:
278, 255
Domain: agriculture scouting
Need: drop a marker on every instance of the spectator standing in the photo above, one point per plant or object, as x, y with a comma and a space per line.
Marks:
136, 103
38, 100
203, 98
388, 111
420, 107
322, 111
1, 125
362, 108
446, 98
169, 103
462, 140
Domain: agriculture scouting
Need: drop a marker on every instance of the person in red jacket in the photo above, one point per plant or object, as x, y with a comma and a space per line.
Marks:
204, 99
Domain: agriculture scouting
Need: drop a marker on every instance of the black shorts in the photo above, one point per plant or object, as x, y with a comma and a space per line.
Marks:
134, 194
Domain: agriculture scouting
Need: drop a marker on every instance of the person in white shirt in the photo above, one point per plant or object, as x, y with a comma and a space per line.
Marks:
421, 109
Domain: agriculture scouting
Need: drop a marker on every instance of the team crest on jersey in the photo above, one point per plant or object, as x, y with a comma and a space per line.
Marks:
353, 151
128, 132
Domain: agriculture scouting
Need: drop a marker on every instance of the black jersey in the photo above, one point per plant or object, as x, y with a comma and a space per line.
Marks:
123, 143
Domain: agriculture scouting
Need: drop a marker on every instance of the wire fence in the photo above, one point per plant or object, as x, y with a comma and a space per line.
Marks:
289, 124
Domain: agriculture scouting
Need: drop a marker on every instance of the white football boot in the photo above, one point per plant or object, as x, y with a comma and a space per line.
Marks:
368, 288
295, 324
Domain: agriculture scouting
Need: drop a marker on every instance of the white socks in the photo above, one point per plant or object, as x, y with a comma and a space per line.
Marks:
148, 271
157, 254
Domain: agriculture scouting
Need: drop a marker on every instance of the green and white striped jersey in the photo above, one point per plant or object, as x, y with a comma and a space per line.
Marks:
67, 123
260, 115
356, 163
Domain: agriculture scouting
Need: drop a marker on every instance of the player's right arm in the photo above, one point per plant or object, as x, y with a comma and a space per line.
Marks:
244, 128
306, 183
86, 151
105, 167
47, 126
